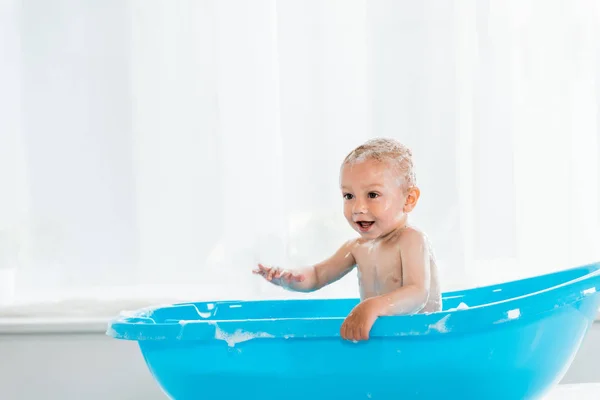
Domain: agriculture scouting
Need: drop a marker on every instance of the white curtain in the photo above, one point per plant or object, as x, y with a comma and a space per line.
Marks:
160, 149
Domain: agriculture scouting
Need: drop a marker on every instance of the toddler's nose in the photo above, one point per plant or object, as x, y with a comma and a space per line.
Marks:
359, 208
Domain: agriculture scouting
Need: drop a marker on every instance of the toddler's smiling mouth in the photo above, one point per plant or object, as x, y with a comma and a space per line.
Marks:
364, 226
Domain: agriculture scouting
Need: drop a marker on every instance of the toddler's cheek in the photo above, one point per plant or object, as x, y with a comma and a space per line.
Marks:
386, 205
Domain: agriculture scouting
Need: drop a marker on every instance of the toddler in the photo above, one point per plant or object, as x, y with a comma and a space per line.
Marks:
397, 273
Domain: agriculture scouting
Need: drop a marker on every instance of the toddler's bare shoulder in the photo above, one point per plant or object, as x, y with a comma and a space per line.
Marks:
351, 244
412, 236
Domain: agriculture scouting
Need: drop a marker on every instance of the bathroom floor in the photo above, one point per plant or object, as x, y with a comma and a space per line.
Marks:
583, 391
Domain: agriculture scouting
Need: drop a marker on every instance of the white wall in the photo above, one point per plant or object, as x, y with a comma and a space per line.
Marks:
73, 367
95, 367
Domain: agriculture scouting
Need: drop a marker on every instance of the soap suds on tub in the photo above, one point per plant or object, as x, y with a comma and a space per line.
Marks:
461, 306
111, 332
440, 326
589, 291
202, 314
238, 336
510, 315
183, 323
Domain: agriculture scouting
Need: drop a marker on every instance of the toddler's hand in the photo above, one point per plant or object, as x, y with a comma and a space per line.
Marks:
359, 322
278, 276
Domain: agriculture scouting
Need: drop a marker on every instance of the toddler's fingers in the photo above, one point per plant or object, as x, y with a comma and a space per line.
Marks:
350, 332
364, 333
261, 271
347, 330
272, 272
263, 268
356, 332
343, 330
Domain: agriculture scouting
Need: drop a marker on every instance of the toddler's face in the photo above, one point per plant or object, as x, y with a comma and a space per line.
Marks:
374, 200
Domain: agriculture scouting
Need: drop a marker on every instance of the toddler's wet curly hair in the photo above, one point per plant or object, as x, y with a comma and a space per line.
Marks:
386, 150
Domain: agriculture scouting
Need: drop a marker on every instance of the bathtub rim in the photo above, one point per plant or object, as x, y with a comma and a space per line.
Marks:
529, 307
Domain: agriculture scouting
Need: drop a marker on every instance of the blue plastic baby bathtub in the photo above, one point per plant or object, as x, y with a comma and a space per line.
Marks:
515, 341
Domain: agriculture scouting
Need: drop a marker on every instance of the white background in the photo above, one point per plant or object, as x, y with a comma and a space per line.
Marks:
156, 150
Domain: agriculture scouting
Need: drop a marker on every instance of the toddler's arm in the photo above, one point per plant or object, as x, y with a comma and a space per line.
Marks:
314, 277
408, 299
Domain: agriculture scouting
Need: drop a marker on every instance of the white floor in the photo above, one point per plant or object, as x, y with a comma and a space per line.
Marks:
579, 391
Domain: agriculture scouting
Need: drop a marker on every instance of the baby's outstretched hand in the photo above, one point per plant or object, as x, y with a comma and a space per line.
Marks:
278, 276
359, 322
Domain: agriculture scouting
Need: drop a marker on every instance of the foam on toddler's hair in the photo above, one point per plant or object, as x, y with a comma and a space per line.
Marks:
384, 149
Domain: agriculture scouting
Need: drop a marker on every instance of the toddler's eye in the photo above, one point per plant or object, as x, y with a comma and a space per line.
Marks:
347, 196
373, 195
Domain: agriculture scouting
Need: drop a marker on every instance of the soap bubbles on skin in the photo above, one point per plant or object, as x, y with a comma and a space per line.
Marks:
371, 246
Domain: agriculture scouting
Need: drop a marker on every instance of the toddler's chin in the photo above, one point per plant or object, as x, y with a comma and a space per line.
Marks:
371, 234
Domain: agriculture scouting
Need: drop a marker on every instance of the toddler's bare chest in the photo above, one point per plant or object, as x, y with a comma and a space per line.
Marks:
379, 271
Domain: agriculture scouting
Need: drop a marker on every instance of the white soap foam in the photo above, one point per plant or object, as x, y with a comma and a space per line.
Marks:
238, 336
461, 306
371, 246
111, 332
514, 314
203, 314
589, 291
440, 326
183, 323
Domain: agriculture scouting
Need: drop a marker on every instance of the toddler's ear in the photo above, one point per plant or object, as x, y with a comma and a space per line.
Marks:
411, 199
